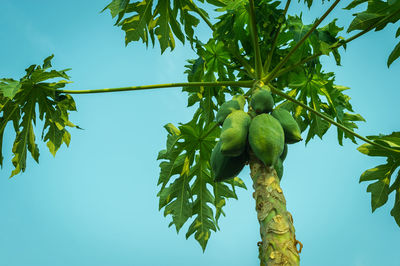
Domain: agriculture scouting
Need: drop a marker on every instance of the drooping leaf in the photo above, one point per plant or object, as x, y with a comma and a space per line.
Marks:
377, 16
379, 193
19, 102
187, 187
394, 55
162, 20
381, 188
9, 87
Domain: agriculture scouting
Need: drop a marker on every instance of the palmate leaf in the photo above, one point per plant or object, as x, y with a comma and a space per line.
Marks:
319, 92
213, 64
149, 20
377, 16
382, 174
186, 179
19, 101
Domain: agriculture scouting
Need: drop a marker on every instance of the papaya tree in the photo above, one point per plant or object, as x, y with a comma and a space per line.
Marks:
257, 85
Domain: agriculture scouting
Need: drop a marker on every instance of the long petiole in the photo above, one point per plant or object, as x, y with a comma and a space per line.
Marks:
336, 46
267, 62
327, 118
271, 75
254, 36
246, 84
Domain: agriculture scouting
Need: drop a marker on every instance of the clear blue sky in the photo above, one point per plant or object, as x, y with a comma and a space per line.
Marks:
95, 203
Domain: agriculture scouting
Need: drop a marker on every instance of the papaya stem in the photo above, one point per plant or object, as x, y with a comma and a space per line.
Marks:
278, 245
327, 118
254, 36
246, 84
267, 62
271, 75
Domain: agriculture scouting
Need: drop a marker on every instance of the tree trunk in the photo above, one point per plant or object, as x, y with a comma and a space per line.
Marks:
278, 245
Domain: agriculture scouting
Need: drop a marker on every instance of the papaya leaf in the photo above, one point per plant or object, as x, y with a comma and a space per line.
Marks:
394, 55
148, 20
377, 16
379, 193
19, 105
188, 191
9, 87
395, 212
318, 91
378, 172
381, 188
213, 64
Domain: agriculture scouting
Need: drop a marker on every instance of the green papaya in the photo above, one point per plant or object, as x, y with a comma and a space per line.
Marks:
252, 113
237, 103
234, 133
225, 167
266, 138
289, 125
284, 153
262, 101
240, 99
278, 166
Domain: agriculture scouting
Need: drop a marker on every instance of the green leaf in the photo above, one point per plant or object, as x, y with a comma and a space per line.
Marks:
355, 3
161, 20
380, 190
379, 193
187, 187
394, 55
19, 106
378, 172
9, 87
395, 212
116, 7
25, 139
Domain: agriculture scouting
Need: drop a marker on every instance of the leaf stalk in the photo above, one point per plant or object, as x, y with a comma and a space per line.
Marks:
246, 84
254, 37
271, 75
327, 118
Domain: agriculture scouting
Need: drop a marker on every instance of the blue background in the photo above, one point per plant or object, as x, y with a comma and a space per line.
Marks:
95, 203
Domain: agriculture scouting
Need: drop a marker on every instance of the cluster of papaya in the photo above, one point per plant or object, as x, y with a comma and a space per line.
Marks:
265, 130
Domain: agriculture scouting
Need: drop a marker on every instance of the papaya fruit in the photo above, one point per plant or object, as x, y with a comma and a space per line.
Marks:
234, 133
225, 167
240, 99
262, 101
284, 153
266, 138
237, 103
289, 125
278, 166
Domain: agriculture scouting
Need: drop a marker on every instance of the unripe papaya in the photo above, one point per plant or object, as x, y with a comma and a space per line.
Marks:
278, 166
262, 101
237, 103
234, 133
266, 138
284, 153
289, 125
225, 167
240, 99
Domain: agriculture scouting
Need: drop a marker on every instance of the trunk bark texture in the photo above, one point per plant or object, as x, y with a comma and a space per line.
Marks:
279, 245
